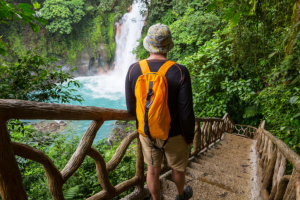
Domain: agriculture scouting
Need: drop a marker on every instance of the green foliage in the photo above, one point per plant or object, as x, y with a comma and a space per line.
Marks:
72, 192
35, 78
192, 30
84, 183
243, 58
62, 14
73, 26
261, 61
24, 12
218, 86
191, 27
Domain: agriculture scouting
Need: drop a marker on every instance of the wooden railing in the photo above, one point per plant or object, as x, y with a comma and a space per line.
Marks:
246, 130
208, 131
273, 155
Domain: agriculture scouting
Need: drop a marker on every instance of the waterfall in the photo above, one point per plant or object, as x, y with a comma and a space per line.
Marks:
108, 90
130, 31
112, 84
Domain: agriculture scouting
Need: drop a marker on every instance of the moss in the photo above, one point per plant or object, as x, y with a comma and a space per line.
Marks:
95, 29
97, 34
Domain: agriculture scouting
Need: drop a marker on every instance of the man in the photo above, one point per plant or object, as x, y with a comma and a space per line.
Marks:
158, 42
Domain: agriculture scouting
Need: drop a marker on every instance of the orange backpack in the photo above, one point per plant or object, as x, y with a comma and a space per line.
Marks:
152, 110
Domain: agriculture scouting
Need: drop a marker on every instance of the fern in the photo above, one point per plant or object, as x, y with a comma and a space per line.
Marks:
297, 79
294, 41
251, 111
71, 192
289, 33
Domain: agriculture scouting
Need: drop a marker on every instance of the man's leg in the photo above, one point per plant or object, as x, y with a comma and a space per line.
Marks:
153, 182
179, 180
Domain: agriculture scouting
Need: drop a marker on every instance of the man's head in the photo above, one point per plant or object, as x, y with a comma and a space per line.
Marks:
159, 39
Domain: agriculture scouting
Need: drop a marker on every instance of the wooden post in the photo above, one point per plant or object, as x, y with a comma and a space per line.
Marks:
204, 134
197, 139
11, 187
208, 134
281, 188
298, 187
290, 192
139, 163
81, 151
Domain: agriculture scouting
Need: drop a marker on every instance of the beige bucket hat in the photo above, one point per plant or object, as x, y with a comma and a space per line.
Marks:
158, 39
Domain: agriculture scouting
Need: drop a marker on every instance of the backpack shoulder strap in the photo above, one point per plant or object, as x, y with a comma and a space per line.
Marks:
165, 67
144, 66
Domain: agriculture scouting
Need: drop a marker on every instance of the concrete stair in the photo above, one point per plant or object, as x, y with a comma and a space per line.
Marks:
227, 170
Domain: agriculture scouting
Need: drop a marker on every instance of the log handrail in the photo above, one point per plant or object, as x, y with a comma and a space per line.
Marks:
20, 109
273, 155
11, 187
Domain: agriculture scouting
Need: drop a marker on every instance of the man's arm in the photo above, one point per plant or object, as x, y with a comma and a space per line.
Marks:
130, 97
185, 107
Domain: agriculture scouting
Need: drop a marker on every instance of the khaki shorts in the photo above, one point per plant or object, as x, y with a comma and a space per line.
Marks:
176, 150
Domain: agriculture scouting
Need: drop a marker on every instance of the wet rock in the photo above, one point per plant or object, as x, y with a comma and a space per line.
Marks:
122, 129
49, 126
129, 9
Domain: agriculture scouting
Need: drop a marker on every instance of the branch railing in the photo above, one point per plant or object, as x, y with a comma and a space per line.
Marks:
273, 155
246, 130
208, 131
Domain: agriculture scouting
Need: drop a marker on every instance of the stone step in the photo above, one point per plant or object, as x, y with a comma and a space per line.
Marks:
201, 190
211, 168
227, 136
227, 156
226, 171
232, 164
233, 184
166, 197
231, 151
246, 160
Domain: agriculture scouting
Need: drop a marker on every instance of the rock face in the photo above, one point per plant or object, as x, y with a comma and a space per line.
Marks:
93, 62
49, 126
122, 129
90, 62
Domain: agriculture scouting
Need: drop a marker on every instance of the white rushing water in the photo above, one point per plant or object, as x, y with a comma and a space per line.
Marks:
107, 85
108, 90
131, 28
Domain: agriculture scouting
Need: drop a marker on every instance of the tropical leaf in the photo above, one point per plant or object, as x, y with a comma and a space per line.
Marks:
36, 5
289, 33
35, 27
229, 14
24, 6
251, 111
211, 6
253, 4
295, 39
71, 192
297, 79
293, 99
235, 20
273, 54
297, 115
